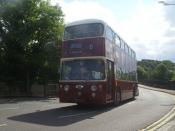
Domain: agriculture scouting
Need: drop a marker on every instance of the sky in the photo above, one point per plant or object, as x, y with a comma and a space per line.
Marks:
146, 25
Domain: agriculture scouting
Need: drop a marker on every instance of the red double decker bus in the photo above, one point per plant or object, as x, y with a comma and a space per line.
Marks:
97, 66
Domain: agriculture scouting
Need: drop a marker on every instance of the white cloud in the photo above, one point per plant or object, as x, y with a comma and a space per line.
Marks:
77, 10
170, 11
147, 29
148, 26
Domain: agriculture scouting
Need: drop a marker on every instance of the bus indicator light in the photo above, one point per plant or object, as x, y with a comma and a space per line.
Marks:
93, 95
79, 93
100, 87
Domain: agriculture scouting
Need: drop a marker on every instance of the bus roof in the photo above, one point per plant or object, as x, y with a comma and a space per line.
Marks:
86, 21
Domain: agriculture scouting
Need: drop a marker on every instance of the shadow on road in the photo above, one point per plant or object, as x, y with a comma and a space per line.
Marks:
62, 116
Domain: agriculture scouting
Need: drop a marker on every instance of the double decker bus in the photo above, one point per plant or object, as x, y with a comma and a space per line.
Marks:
97, 66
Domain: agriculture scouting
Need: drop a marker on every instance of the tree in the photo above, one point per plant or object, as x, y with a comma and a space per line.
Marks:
26, 27
173, 76
142, 74
170, 65
161, 73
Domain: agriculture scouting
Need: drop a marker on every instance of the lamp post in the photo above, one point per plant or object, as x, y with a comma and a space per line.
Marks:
165, 3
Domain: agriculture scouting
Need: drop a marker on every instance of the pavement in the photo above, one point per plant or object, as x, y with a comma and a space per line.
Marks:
169, 124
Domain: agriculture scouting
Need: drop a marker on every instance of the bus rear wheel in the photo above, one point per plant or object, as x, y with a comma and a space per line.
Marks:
134, 93
117, 98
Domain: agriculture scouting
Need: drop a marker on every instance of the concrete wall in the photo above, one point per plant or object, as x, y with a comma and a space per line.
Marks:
37, 90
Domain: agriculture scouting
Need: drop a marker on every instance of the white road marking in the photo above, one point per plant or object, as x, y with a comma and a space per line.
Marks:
75, 114
3, 125
10, 108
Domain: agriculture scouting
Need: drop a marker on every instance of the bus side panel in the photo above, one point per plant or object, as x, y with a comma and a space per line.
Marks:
83, 47
127, 89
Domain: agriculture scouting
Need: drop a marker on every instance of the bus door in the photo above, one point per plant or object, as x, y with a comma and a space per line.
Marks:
110, 76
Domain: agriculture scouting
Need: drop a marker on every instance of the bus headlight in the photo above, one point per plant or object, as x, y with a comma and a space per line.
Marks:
93, 88
66, 87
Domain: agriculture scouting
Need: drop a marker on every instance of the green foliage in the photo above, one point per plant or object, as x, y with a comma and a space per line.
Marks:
173, 76
142, 74
161, 73
156, 71
170, 65
27, 27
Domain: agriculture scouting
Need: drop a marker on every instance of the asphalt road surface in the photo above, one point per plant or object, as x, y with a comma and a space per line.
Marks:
33, 114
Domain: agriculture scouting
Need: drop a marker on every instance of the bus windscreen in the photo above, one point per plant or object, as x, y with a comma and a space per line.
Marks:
83, 31
86, 69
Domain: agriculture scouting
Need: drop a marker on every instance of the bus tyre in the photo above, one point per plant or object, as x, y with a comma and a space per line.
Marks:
134, 94
117, 98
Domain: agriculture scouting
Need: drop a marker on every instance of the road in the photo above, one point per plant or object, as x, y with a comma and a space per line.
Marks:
50, 115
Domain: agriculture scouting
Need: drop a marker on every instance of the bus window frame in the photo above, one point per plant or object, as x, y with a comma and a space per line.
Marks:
102, 35
109, 34
117, 38
122, 45
126, 48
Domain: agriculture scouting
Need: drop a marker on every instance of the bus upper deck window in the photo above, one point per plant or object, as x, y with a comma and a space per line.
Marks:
83, 31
